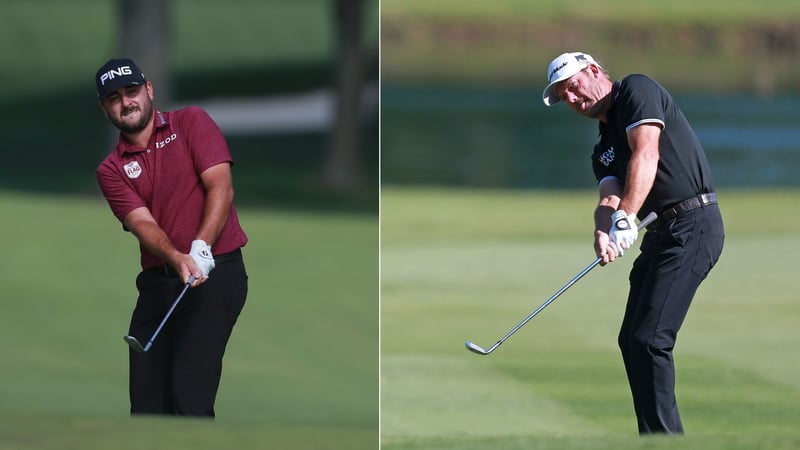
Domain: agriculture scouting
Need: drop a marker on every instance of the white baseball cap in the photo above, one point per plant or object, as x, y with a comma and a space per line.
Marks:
563, 67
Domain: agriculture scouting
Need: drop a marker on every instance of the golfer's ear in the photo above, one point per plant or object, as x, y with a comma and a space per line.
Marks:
150, 92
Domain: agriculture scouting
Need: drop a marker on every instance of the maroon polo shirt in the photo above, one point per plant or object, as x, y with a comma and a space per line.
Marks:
165, 178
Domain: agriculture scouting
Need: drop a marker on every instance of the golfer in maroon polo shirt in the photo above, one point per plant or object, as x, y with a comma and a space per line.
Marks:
168, 181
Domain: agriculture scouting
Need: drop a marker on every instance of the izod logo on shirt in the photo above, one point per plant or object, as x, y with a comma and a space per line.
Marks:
132, 169
166, 141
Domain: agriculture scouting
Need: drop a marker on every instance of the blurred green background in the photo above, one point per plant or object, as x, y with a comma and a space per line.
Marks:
237, 51
486, 210
302, 366
462, 81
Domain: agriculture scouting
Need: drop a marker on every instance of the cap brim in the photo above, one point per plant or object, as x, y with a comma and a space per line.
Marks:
548, 96
112, 87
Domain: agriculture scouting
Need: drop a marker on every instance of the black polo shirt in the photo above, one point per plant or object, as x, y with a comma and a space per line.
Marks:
683, 170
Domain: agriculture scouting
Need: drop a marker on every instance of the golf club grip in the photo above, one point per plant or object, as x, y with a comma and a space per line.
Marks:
650, 218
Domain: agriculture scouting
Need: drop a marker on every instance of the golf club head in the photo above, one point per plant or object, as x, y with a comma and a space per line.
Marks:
474, 348
134, 344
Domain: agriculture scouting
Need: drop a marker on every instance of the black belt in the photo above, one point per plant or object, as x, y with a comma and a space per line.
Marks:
225, 257
689, 204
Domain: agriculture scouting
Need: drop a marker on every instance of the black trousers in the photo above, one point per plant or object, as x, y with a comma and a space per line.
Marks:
181, 372
674, 260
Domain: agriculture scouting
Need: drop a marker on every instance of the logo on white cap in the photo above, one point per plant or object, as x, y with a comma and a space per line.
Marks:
563, 67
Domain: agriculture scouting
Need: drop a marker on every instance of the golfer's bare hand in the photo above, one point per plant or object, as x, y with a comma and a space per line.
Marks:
184, 264
196, 273
604, 248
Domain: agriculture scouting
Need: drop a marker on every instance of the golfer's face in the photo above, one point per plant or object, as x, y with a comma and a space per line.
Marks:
129, 108
582, 92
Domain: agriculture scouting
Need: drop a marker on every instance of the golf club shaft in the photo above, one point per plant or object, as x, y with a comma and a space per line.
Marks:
549, 300
644, 223
169, 313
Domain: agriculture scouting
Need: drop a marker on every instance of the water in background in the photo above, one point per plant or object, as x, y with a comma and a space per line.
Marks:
505, 137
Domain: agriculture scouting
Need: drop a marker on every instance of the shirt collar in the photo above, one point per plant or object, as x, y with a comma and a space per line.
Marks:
162, 119
124, 146
614, 94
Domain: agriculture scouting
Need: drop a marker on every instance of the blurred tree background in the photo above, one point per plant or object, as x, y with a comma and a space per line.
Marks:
268, 72
461, 84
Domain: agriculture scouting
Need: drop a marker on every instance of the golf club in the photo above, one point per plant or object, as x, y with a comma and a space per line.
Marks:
481, 351
134, 343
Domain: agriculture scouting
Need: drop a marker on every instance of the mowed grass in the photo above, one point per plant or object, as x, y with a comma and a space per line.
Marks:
301, 370
622, 11
460, 265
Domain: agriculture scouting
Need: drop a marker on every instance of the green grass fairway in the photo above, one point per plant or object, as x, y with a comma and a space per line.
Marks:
301, 371
623, 11
460, 265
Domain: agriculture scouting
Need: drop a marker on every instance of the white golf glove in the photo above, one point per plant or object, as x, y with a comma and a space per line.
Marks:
201, 253
623, 230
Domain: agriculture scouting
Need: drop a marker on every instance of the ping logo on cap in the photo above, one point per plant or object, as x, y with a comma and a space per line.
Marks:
118, 72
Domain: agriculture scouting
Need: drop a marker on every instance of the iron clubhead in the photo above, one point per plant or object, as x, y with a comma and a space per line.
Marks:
134, 344
474, 348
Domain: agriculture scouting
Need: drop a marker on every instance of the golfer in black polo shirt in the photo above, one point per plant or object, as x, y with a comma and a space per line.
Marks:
648, 159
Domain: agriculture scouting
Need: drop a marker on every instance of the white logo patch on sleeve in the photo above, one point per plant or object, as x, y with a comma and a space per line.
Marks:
132, 169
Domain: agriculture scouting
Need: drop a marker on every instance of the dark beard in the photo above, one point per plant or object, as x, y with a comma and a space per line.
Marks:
146, 114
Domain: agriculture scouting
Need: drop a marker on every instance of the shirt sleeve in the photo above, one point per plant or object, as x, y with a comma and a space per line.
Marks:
120, 195
641, 102
206, 141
